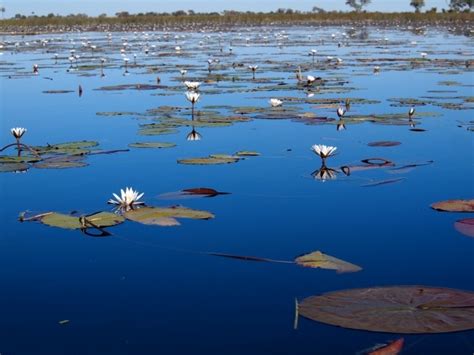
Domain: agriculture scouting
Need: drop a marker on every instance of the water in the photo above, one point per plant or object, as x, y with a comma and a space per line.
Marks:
132, 293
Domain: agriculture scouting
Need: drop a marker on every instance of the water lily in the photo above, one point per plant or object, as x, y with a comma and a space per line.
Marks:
253, 68
192, 85
128, 198
275, 102
194, 136
18, 132
192, 97
324, 151
340, 112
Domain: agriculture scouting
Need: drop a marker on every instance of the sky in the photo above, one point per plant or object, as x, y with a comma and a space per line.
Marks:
92, 7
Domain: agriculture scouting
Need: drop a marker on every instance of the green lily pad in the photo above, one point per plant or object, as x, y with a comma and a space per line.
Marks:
156, 215
17, 159
13, 167
101, 219
151, 145
318, 260
247, 153
211, 160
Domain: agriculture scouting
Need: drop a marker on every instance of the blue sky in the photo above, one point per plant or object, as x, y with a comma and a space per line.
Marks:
94, 7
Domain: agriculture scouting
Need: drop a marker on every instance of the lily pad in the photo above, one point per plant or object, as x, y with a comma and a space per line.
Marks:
465, 226
13, 167
397, 309
383, 144
454, 206
158, 145
211, 160
155, 215
101, 219
247, 153
318, 260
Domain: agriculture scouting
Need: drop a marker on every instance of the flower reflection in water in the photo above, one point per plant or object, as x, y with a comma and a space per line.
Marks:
324, 173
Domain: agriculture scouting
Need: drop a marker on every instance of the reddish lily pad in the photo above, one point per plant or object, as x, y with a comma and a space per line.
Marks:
465, 226
454, 206
397, 309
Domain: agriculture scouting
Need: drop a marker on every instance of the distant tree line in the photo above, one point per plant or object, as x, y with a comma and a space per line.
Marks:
355, 5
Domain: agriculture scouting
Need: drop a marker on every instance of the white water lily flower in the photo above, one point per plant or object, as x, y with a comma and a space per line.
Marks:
192, 85
192, 97
128, 198
323, 151
340, 112
194, 136
275, 102
18, 132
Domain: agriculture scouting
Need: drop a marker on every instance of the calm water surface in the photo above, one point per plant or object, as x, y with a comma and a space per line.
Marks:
129, 294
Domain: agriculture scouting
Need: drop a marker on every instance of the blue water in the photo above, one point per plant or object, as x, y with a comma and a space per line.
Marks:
129, 294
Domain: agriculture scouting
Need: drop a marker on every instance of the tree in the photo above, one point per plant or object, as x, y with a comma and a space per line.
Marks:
417, 4
319, 10
461, 5
357, 5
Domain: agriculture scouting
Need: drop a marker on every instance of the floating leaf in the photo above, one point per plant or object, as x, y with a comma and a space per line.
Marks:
397, 309
194, 192
16, 159
465, 226
454, 206
13, 167
318, 260
383, 144
101, 219
392, 348
155, 215
62, 162
152, 145
246, 153
382, 182
208, 161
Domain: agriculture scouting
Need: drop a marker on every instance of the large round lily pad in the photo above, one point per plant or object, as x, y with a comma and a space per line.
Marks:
454, 206
397, 309
101, 219
157, 215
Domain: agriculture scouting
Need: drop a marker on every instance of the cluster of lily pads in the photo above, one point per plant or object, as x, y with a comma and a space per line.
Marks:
50, 156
